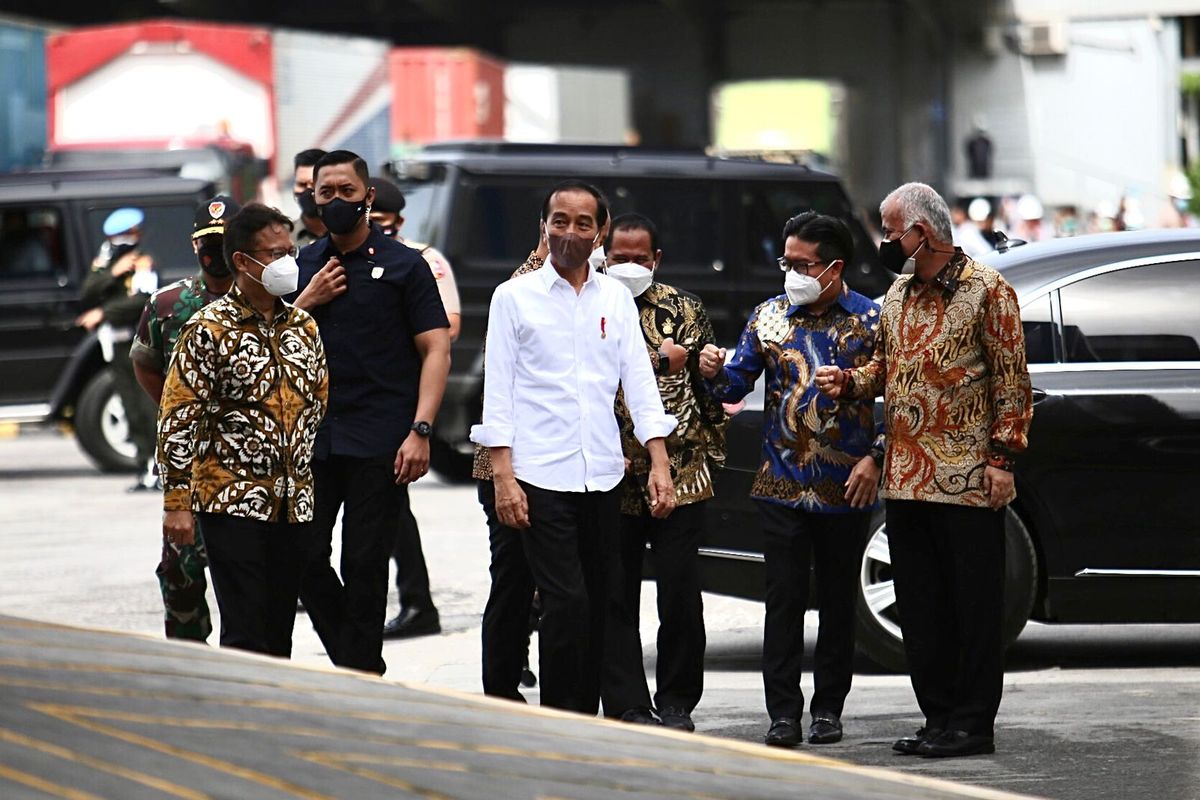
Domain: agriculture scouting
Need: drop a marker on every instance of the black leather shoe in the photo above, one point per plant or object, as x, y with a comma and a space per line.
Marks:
784, 732
640, 716
677, 718
956, 743
826, 728
412, 622
911, 745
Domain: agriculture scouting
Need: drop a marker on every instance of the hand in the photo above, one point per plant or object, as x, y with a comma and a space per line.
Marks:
676, 355
712, 358
512, 506
412, 459
90, 319
998, 485
125, 265
179, 527
661, 489
831, 381
863, 485
328, 283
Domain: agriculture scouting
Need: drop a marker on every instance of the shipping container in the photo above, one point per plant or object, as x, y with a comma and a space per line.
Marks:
445, 93
568, 105
22, 95
195, 85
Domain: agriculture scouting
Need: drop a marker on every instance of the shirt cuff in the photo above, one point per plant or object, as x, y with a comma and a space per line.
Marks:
657, 427
177, 499
492, 435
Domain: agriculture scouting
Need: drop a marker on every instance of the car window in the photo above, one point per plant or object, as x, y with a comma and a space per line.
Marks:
420, 206
1147, 313
1039, 331
31, 243
766, 207
504, 216
166, 235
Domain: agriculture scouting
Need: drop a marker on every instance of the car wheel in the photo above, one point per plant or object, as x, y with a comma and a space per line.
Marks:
879, 635
101, 427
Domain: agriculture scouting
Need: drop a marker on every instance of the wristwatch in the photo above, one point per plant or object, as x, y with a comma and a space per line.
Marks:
664, 364
422, 429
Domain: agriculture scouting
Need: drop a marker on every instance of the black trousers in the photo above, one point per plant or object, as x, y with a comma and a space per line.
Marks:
140, 411
348, 613
570, 549
256, 569
832, 545
679, 673
506, 615
412, 576
948, 562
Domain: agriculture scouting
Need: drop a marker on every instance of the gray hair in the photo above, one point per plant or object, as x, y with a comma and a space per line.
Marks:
918, 202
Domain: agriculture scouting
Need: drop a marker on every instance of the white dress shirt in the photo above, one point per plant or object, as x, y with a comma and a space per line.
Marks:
553, 362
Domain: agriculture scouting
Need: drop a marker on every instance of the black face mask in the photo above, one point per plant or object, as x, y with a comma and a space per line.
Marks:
307, 202
211, 256
119, 250
341, 216
891, 253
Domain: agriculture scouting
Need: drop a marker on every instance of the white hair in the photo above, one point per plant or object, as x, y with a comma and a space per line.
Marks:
918, 202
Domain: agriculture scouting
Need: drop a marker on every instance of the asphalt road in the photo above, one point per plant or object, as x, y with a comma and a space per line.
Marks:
1089, 711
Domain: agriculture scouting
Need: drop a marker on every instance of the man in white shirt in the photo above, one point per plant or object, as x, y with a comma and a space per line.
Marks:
560, 340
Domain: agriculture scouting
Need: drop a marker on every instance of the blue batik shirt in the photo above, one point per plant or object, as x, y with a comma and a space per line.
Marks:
810, 442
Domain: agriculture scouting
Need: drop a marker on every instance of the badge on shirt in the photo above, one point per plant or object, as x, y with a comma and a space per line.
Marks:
377, 272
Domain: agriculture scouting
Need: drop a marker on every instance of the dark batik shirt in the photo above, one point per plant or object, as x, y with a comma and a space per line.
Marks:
697, 445
162, 319
810, 443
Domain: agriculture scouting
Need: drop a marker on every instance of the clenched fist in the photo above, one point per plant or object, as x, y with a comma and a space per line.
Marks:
712, 358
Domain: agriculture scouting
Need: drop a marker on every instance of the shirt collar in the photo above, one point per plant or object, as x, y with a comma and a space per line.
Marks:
368, 249
950, 276
549, 274
247, 312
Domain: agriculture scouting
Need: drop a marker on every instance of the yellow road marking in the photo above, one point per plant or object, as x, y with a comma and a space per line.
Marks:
348, 762
68, 715
49, 748
43, 785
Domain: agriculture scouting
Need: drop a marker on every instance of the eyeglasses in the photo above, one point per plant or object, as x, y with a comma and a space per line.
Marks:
292, 251
799, 266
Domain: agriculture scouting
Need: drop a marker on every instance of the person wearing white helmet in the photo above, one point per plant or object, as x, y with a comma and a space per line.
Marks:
122, 279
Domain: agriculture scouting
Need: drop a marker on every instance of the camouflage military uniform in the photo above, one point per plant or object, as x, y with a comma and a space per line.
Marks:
181, 568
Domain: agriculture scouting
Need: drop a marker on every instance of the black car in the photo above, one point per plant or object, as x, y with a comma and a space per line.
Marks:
50, 230
719, 219
1105, 527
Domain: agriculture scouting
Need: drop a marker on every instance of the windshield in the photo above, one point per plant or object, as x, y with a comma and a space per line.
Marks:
420, 208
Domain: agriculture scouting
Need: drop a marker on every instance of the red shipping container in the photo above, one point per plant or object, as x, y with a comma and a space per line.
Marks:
445, 93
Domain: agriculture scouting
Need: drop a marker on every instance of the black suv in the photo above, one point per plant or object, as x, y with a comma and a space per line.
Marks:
720, 221
51, 370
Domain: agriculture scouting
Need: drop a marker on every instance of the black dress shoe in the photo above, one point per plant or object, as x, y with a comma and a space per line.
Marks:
956, 743
412, 622
784, 732
911, 745
677, 718
826, 728
640, 716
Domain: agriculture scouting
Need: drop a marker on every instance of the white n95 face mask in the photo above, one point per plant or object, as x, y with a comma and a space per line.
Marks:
596, 259
633, 277
280, 277
803, 289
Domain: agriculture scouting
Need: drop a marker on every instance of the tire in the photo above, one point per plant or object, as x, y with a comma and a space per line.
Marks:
879, 636
101, 428
449, 464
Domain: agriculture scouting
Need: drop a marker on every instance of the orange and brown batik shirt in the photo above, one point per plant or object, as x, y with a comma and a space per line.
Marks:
950, 363
240, 409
